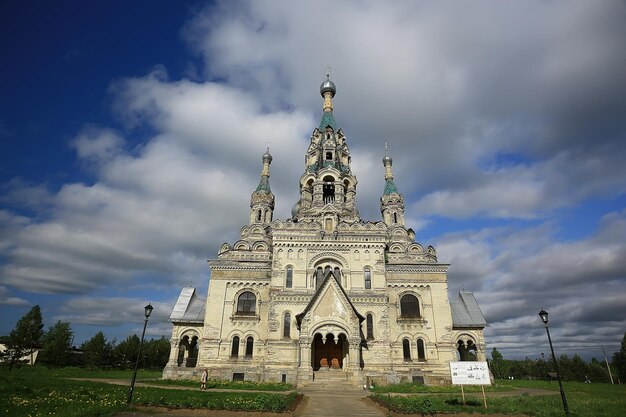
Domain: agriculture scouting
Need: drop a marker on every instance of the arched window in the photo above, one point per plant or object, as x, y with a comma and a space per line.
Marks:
395, 217
249, 346
409, 307
287, 325
246, 305
421, 352
319, 277
466, 350
258, 216
289, 278
370, 326
406, 349
234, 350
328, 189
367, 273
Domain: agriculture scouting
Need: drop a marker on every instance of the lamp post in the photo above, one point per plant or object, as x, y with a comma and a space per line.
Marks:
544, 318
148, 310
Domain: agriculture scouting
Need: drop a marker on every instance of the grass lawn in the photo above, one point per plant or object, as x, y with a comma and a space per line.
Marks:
37, 391
584, 400
408, 388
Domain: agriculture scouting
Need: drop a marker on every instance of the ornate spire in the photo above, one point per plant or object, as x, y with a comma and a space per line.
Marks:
264, 183
390, 186
328, 91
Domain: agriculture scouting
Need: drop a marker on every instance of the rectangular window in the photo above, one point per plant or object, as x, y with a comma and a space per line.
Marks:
238, 376
287, 325
284, 378
249, 347
368, 278
421, 353
370, 326
289, 278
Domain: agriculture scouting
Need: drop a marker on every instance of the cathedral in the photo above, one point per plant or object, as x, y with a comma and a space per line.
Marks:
325, 296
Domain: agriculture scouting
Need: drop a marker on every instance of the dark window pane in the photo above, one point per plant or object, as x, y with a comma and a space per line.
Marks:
370, 326
246, 303
234, 352
421, 353
249, 346
287, 325
409, 306
406, 350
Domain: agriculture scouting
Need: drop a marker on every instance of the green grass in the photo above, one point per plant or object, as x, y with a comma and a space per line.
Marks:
37, 391
222, 384
75, 372
408, 388
584, 400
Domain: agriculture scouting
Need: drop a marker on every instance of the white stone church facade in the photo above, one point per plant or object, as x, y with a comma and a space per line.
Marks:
325, 292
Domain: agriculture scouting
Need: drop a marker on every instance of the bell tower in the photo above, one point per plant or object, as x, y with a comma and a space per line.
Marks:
262, 199
392, 202
327, 186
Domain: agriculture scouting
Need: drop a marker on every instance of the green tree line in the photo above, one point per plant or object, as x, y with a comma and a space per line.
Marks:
55, 347
570, 368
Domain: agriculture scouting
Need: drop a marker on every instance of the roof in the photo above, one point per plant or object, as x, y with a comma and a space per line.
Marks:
329, 275
189, 307
390, 187
264, 185
328, 120
466, 312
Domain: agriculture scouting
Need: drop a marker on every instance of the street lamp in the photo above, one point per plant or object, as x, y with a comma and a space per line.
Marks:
147, 311
544, 318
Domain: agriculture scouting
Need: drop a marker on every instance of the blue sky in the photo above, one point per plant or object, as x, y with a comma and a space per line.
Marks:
131, 136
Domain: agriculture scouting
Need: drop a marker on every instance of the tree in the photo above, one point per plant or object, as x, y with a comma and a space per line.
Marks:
499, 367
125, 353
57, 344
155, 353
25, 338
97, 352
619, 360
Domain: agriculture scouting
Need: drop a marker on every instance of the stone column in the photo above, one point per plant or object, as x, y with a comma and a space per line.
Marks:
186, 356
305, 371
305, 353
173, 353
355, 343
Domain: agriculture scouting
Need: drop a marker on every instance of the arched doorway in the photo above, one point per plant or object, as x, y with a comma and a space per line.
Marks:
329, 351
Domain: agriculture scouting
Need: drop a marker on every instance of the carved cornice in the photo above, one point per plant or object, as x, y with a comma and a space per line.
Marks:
407, 285
253, 282
418, 268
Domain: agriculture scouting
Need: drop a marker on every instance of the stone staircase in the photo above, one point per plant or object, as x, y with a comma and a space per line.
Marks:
334, 380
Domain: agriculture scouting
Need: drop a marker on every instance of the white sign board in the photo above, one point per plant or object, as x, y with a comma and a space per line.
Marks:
470, 373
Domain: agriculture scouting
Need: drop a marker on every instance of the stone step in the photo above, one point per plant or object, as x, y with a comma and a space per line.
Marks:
325, 387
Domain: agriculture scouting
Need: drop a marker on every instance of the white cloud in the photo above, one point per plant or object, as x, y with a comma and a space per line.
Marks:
516, 272
118, 311
6, 299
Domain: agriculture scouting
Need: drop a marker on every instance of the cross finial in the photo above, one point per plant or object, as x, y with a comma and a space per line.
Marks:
191, 284
327, 71
386, 149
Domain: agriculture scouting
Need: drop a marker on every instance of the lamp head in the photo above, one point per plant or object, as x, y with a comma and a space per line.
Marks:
148, 310
544, 316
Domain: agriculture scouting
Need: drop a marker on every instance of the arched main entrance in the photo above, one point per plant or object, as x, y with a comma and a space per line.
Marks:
329, 351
